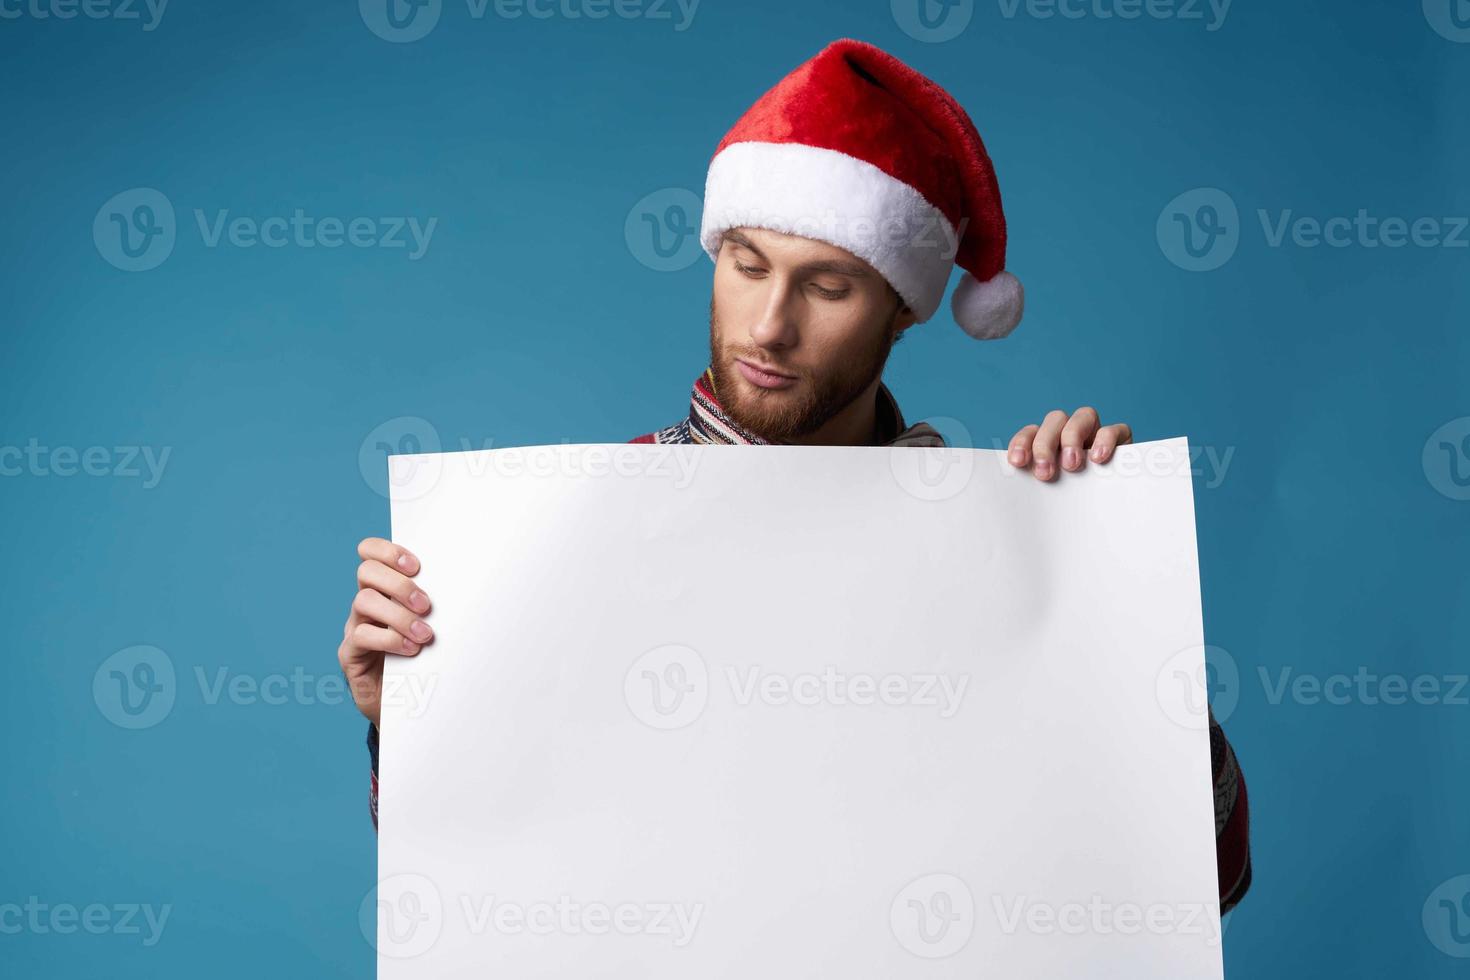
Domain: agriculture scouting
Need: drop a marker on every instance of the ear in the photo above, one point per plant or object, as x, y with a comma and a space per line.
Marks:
903, 318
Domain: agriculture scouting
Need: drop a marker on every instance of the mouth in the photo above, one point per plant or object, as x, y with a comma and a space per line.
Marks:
764, 377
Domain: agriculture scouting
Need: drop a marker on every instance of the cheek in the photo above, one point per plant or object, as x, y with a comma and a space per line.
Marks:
843, 331
737, 303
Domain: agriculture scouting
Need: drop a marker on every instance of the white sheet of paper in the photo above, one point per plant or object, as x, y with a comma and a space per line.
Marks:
780, 712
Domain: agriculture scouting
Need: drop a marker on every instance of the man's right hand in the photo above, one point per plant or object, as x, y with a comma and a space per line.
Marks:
384, 620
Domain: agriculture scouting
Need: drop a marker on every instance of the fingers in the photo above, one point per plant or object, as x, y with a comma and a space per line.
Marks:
1076, 434
367, 636
1045, 444
1108, 438
390, 554
377, 609
1019, 452
384, 619
1061, 442
372, 574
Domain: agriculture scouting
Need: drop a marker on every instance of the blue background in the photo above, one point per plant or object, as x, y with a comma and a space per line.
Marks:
1330, 545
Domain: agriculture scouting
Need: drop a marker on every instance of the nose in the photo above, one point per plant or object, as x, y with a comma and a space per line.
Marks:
777, 326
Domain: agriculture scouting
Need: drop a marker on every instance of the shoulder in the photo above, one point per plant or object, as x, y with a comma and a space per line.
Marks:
673, 434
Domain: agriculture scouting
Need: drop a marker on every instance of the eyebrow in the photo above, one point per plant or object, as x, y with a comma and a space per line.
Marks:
837, 266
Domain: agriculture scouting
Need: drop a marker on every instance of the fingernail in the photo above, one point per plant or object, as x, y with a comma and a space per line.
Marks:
1043, 467
418, 602
409, 647
1070, 458
1018, 457
405, 562
420, 632
1097, 454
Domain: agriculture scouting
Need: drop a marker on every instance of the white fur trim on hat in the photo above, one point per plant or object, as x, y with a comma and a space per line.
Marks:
836, 198
988, 310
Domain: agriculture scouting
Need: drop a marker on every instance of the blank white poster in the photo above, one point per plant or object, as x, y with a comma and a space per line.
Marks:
786, 712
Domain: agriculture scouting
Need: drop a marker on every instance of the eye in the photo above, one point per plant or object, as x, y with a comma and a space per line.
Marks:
749, 271
832, 294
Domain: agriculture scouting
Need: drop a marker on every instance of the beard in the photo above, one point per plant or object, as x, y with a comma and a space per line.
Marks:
803, 408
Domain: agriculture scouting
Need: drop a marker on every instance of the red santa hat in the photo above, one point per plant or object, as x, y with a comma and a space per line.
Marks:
857, 149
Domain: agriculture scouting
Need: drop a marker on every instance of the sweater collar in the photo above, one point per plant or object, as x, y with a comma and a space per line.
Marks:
710, 424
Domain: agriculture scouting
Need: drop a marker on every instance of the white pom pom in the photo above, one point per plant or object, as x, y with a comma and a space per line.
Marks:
988, 310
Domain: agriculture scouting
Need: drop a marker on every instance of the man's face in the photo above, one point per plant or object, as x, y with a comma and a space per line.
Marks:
799, 329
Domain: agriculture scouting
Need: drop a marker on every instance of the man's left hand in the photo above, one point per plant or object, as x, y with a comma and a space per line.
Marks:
1071, 439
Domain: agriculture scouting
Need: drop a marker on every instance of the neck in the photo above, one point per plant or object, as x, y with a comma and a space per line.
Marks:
854, 425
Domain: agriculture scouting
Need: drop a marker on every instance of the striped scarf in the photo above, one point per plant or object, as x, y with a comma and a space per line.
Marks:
709, 424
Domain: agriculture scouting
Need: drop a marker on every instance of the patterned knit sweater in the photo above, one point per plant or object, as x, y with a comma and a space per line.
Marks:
707, 424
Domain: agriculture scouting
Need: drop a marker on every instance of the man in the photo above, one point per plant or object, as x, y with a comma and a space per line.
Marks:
834, 212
